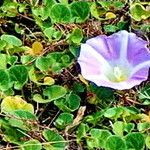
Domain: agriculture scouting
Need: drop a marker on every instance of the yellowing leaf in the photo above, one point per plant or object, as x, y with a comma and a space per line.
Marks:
12, 103
39, 78
145, 118
110, 15
83, 80
49, 81
37, 48
138, 12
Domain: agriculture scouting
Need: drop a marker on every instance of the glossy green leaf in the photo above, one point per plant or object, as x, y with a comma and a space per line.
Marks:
11, 39
44, 63
135, 141
144, 95
56, 141
110, 28
52, 33
115, 143
4, 80
68, 104
18, 75
82, 131
118, 128
129, 127
52, 93
143, 126
32, 145
2, 44
80, 11
147, 141
63, 120
98, 138
12, 59
60, 13
76, 36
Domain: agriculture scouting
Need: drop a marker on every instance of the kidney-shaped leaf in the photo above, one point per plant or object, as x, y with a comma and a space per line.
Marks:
70, 104
63, 120
18, 75
135, 141
60, 13
97, 138
12, 103
4, 80
138, 12
80, 11
54, 92
10, 39
56, 141
115, 142
32, 145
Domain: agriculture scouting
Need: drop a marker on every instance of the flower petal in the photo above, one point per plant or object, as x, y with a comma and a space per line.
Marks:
137, 50
91, 62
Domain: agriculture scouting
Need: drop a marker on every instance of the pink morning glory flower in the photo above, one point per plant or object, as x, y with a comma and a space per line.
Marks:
119, 61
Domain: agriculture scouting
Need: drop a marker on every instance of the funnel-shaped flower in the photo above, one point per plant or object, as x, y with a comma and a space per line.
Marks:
119, 61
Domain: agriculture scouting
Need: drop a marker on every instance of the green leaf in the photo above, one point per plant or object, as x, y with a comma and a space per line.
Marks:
2, 44
129, 127
58, 61
49, 3
40, 12
12, 59
82, 131
78, 87
144, 95
24, 114
53, 92
10, 39
63, 120
70, 104
143, 126
75, 50
115, 112
44, 63
24, 120
97, 11
4, 80
76, 36
3, 61
51, 33
118, 128
35, 76
12, 103
97, 138
32, 145
80, 11
12, 135
60, 13
18, 75
135, 141
16, 123
115, 142
27, 59
138, 12
56, 141
147, 141
110, 28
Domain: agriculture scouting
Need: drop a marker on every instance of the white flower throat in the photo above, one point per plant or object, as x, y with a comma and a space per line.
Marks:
119, 74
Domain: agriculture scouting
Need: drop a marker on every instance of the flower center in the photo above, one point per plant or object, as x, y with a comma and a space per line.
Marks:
119, 74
